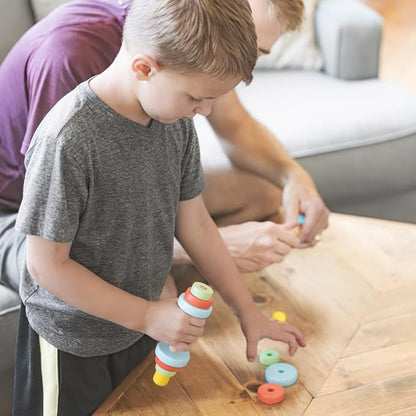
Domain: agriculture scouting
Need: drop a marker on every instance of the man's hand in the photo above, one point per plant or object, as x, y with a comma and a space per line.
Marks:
300, 196
256, 245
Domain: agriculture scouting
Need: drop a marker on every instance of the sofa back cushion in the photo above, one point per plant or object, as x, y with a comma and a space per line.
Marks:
41, 8
16, 17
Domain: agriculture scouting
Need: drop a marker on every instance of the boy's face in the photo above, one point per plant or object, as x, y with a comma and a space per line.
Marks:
169, 96
267, 26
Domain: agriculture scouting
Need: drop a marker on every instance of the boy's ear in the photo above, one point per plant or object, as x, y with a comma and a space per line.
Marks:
144, 66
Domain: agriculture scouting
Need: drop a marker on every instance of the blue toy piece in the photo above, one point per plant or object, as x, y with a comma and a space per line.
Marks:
281, 373
193, 310
301, 219
177, 359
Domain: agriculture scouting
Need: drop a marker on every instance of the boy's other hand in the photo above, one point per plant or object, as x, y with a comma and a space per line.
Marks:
256, 326
166, 322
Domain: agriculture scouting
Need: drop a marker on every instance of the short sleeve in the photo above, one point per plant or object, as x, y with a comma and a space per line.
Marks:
55, 192
51, 75
192, 183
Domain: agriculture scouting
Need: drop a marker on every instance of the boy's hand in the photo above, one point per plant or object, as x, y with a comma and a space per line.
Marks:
166, 322
256, 326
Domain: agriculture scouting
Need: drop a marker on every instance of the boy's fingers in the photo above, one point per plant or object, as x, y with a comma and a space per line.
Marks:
251, 349
195, 331
299, 336
198, 322
289, 334
179, 346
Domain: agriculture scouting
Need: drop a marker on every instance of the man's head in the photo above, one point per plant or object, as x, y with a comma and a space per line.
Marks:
272, 18
215, 37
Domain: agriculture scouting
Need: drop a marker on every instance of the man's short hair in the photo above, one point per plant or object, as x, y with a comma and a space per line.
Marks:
290, 13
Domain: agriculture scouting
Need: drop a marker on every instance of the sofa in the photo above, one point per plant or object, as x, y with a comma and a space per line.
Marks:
354, 133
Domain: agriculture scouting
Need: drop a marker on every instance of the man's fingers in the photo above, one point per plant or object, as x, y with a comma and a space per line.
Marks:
312, 228
292, 211
282, 233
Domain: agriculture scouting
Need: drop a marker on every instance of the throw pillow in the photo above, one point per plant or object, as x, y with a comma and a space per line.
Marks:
296, 50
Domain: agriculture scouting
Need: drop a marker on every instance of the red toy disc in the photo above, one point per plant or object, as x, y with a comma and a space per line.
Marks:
270, 393
198, 303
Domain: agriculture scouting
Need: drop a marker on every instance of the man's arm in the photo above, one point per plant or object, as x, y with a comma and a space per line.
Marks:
252, 147
198, 234
253, 245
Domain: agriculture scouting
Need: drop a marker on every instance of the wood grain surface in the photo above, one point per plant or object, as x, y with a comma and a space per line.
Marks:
353, 296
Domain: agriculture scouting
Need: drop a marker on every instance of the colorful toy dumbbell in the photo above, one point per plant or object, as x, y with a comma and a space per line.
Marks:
197, 302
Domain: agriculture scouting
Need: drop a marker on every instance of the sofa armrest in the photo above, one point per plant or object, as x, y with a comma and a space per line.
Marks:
349, 35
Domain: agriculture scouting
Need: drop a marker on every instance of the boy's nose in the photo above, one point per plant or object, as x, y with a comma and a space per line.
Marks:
204, 108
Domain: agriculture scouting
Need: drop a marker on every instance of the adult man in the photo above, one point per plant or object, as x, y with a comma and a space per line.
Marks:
40, 70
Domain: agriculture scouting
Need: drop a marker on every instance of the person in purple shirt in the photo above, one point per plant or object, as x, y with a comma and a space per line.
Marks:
76, 41
80, 39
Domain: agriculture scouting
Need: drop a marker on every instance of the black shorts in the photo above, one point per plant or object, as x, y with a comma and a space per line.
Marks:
52, 382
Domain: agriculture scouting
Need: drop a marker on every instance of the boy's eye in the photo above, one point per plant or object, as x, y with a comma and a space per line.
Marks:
196, 100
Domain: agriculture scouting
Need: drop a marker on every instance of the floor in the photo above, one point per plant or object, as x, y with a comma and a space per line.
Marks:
398, 50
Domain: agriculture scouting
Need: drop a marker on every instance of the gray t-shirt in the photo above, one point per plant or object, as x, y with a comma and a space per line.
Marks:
112, 188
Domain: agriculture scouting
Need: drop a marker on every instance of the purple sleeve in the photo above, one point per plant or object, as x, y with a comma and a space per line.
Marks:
61, 63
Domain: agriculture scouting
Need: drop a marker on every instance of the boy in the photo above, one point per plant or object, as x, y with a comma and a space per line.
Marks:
113, 173
39, 70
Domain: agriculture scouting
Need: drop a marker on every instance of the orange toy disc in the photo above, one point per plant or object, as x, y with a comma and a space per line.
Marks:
165, 366
198, 303
270, 393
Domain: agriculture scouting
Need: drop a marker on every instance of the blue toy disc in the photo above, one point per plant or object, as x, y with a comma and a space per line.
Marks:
192, 310
301, 219
281, 373
174, 359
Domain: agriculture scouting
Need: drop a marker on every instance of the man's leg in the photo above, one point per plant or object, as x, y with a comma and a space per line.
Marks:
12, 251
234, 197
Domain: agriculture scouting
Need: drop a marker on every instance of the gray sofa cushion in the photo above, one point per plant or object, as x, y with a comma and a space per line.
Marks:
13, 23
9, 304
313, 113
356, 138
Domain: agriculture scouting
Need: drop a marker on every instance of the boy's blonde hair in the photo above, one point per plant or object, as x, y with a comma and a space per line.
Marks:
216, 37
289, 13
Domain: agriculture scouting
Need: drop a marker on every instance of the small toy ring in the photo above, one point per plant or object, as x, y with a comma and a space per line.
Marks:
198, 303
270, 393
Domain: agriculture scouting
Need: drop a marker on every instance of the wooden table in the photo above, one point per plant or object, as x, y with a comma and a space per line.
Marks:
354, 297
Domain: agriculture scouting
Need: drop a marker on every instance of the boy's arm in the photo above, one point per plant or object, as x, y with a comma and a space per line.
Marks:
52, 268
198, 234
